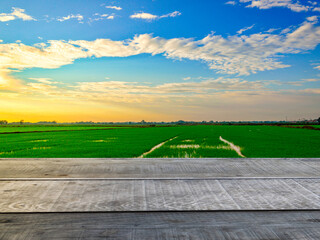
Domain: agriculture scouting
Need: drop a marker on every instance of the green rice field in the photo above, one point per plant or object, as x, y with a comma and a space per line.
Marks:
47, 128
212, 141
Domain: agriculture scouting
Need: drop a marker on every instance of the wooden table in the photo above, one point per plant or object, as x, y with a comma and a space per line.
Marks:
160, 199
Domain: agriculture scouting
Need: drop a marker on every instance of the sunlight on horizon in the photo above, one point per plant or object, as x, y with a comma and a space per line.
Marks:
159, 60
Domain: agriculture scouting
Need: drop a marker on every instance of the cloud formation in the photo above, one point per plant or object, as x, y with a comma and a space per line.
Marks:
245, 29
17, 13
149, 16
241, 55
238, 54
114, 7
217, 99
99, 17
301, 82
44, 80
313, 19
71, 16
143, 15
205, 86
293, 5
231, 2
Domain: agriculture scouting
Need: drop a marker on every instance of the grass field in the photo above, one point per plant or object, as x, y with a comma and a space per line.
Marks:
46, 128
170, 141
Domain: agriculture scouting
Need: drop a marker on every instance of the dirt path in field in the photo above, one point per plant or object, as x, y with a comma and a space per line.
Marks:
155, 147
233, 147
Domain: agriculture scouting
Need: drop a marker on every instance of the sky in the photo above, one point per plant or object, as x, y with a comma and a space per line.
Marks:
159, 60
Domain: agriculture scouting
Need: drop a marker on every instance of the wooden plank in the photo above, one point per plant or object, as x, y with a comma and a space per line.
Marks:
158, 168
159, 195
272, 225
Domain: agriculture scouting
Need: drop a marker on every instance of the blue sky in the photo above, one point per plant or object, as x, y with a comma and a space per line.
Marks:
159, 60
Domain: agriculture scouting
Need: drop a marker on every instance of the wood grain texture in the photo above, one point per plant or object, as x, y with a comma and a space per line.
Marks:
158, 168
271, 225
139, 199
159, 195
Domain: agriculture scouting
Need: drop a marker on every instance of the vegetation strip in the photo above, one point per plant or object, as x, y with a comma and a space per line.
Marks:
234, 147
65, 130
304, 127
155, 147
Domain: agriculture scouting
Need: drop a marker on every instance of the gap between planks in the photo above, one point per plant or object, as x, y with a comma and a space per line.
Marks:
159, 179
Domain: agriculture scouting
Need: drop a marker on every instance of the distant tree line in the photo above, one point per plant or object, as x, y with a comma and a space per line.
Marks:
3, 122
180, 122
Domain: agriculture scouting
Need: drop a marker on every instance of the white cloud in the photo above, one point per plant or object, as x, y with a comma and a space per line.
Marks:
310, 91
149, 16
300, 82
205, 86
114, 7
313, 19
52, 55
71, 16
44, 80
173, 14
143, 15
123, 91
245, 29
217, 99
224, 96
186, 78
99, 17
17, 13
238, 54
311, 80
5, 18
271, 30
318, 67
293, 5
231, 3
312, 3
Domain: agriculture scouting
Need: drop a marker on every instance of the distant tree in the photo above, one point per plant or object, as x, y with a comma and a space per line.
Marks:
319, 120
3, 122
21, 122
143, 122
180, 122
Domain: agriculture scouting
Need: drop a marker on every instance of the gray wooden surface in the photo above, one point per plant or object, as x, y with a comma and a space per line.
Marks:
139, 199
270, 225
158, 168
159, 195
